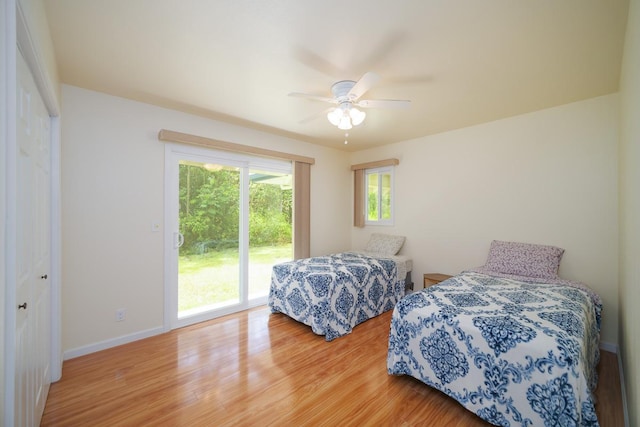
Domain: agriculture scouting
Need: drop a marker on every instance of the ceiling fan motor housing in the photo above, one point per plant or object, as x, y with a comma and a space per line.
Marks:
341, 89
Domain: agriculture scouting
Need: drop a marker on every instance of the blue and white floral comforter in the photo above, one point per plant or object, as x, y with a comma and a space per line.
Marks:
512, 352
334, 293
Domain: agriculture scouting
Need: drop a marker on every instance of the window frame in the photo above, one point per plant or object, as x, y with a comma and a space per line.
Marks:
381, 170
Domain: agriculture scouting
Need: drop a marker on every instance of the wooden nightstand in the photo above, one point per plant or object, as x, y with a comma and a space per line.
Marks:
431, 279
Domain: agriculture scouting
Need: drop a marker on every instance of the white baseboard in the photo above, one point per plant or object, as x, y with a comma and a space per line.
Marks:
610, 347
103, 345
625, 412
613, 348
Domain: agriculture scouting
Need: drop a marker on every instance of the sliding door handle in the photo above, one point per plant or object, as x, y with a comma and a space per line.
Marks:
178, 240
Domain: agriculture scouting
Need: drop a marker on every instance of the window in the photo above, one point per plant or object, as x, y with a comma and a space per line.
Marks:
379, 196
373, 192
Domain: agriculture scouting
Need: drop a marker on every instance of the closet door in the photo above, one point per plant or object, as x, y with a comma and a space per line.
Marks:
33, 233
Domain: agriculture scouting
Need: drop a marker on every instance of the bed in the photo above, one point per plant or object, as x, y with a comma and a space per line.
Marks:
510, 341
335, 293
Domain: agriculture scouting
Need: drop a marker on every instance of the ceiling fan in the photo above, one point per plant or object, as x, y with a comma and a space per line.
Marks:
346, 95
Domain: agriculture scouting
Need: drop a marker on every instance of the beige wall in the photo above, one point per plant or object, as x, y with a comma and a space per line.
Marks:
630, 212
547, 177
112, 190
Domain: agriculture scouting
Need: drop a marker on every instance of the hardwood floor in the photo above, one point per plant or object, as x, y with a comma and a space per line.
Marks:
257, 368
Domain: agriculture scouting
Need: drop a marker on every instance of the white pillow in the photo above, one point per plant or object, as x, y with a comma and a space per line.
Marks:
385, 244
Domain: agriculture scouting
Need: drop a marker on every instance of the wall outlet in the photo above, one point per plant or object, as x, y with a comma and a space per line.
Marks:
120, 314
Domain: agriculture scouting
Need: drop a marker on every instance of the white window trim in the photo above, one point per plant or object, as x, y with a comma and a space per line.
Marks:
380, 171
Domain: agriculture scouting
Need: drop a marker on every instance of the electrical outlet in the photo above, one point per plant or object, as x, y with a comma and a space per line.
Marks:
120, 314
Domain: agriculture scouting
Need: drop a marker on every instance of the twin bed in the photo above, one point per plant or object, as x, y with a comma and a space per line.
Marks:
510, 341
334, 293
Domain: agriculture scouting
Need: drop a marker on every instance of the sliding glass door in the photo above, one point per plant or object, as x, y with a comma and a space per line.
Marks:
228, 222
209, 227
270, 227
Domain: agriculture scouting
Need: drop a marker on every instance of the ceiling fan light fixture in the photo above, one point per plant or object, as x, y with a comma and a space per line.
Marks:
357, 116
346, 95
334, 116
345, 123
345, 116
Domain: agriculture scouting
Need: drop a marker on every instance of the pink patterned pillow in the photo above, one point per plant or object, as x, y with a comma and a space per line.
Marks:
524, 259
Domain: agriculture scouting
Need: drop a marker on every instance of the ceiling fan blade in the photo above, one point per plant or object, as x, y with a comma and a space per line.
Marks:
364, 84
316, 62
381, 52
313, 97
316, 116
384, 103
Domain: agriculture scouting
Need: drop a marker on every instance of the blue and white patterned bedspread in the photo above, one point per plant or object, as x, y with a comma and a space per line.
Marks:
514, 353
334, 293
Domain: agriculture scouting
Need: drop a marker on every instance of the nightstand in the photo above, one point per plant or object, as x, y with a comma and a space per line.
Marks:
431, 279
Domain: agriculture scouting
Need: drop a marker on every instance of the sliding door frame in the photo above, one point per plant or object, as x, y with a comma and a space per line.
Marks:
174, 152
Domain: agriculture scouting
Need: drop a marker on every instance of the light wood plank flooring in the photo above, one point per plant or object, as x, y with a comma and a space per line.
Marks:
260, 369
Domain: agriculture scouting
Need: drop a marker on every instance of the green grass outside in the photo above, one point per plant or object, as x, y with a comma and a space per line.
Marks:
211, 279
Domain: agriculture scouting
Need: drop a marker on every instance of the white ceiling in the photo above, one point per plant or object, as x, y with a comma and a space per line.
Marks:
460, 62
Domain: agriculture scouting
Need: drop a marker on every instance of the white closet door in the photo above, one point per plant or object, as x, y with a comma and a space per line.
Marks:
33, 234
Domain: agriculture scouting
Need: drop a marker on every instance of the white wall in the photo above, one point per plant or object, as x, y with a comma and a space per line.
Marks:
630, 212
112, 190
548, 177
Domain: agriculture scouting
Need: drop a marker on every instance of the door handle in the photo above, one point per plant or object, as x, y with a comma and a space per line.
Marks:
23, 305
178, 240
44, 277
